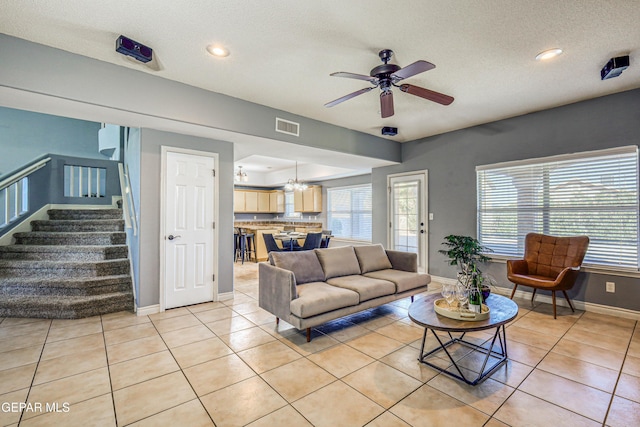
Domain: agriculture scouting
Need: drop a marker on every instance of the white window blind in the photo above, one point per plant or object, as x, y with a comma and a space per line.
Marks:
289, 206
593, 193
349, 212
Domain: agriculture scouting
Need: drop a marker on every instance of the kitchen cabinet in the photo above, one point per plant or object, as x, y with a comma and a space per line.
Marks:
258, 201
276, 201
309, 200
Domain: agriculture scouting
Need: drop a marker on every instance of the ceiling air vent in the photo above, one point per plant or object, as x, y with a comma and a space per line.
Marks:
285, 126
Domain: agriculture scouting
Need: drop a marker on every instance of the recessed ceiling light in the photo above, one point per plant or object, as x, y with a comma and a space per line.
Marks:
217, 50
548, 54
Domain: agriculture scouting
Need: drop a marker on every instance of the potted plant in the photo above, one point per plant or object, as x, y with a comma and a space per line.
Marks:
466, 253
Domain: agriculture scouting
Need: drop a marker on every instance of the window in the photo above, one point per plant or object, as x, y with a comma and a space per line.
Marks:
349, 212
593, 193
289, 206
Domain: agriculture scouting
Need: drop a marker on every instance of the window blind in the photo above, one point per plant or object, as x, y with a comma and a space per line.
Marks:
349, 212
593, 193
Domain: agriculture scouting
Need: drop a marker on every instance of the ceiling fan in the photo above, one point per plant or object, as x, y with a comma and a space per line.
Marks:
388, 75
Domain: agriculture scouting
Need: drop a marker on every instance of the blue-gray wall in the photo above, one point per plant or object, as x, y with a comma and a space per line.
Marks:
25, 136
451, 158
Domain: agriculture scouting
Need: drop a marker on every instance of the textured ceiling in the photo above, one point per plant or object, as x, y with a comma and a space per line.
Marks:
282, 52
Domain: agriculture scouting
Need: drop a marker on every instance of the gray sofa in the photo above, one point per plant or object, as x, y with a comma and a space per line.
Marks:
309, 288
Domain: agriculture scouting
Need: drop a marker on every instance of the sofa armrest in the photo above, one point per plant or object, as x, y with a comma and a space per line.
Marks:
405, 261
276, 290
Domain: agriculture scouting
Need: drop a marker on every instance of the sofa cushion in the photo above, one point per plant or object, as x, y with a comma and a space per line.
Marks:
404, 280
367, 287
319, 297
341, 261
304, 265
372, 258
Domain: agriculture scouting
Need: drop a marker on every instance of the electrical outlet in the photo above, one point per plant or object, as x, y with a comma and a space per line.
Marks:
611, 286
431, 216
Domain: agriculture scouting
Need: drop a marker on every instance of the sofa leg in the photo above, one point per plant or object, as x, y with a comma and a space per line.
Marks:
411, 298
308, 334
553, 299
514, 290
533, 295
277, 320
568, 300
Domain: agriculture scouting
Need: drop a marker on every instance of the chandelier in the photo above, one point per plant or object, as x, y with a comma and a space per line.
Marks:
294, 184
240, 175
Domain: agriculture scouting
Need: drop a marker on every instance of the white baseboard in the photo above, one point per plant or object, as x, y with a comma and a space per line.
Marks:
579, 305
150, 309
225, 296
25, 225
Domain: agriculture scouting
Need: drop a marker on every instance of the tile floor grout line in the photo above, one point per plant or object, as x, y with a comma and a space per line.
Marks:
615, 387
35, 372
106, 354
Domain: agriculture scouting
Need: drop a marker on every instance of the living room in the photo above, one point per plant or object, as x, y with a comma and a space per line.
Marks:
88, 89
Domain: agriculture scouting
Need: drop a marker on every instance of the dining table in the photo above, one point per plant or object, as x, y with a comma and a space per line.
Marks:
287, 239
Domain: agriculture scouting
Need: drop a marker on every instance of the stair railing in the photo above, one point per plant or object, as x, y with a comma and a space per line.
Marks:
14, 193
128, 208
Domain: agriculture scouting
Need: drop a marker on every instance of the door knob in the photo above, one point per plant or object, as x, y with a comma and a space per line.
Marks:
171, 237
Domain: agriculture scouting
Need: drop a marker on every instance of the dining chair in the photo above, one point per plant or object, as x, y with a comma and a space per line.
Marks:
270, 243
550, 263
326, 236
312, 241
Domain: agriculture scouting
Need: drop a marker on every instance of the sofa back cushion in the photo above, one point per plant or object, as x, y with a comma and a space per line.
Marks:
336, 262
304, 265
372, 258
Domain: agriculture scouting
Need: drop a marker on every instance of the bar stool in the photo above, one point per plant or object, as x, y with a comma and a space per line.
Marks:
245, 246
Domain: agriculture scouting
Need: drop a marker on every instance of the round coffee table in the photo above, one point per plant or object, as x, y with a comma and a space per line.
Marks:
503, 311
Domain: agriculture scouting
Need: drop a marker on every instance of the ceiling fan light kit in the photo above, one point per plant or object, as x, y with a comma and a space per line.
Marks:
387, 76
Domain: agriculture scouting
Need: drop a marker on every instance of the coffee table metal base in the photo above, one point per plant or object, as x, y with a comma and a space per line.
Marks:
500, 337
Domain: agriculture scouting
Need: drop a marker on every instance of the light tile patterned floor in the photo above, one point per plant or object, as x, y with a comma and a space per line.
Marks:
228, 364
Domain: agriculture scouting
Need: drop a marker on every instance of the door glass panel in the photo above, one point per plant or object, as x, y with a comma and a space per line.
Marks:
406, 216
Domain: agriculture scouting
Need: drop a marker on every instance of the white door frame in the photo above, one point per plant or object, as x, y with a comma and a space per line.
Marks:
423, 213
163, 190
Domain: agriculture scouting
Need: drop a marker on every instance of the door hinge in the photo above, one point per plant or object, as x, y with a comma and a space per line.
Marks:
390, 225
214, 225
214, 172
214, 277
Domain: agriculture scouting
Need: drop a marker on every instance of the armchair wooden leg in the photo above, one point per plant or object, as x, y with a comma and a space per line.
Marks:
277, 320
568, 300
553, 298
514, 290
533, 295
411, 298
308, 334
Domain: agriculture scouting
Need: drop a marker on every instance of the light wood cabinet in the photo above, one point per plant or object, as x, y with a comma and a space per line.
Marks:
258, 201
261, 248
309, 200
276, 201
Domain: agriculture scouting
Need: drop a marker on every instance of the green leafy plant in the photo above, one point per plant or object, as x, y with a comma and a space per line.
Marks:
466, 253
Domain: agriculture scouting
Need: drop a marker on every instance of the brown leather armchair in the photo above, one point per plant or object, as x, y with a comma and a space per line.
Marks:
550, 263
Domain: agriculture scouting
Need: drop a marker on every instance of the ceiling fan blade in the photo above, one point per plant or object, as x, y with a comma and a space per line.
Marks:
412, 69
355, 76
346, 97
431, 95
386, 104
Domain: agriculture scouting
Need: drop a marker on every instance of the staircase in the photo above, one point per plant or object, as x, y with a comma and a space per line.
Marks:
73, 265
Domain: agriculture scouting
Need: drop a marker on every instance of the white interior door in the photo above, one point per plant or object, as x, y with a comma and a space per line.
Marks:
189, 229
408, 226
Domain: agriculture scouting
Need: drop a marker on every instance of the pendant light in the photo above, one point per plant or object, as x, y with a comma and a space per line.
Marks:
294, 184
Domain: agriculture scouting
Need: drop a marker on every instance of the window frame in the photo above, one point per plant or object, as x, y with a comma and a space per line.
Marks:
547, 210
334, 232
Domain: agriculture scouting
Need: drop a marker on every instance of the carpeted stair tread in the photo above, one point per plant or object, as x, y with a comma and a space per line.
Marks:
67, 238
47, 269
75, 225
65, 307
58, 286
64, 252
84, 214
